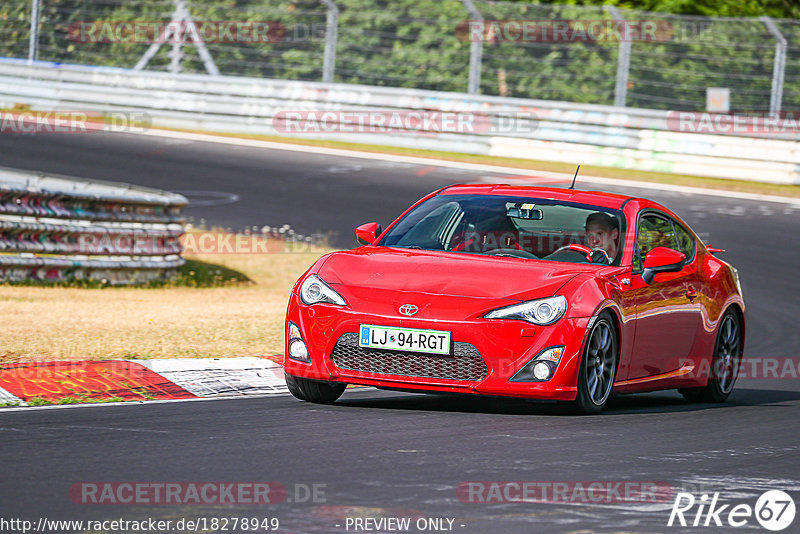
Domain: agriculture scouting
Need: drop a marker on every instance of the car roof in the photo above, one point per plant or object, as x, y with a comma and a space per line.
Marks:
595, 198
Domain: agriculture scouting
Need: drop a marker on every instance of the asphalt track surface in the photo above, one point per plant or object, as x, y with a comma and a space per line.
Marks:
386, 454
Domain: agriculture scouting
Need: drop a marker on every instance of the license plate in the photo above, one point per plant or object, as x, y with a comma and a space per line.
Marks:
410, 339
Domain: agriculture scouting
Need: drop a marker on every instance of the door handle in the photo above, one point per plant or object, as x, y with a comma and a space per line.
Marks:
691, 293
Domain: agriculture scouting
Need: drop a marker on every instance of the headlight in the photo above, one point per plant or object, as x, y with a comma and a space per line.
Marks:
542, 311
314, 290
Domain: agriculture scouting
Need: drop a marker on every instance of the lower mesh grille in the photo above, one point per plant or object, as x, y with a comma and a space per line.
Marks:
465, 364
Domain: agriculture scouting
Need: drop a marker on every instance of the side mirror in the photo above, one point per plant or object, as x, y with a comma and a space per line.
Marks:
368, 233
662, 260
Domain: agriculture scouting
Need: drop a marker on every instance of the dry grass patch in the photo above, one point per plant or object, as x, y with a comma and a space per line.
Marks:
63, 323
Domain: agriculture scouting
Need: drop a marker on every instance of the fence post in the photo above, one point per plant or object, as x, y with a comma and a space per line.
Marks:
176, 54
331, 36
33, 46
778, 68
475, 51
183, 19
623, 60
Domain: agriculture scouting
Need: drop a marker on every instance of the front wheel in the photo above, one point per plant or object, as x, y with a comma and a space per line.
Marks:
598, 367
314, 390
724, 364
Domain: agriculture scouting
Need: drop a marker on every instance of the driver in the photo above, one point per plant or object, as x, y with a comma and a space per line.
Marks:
602, 231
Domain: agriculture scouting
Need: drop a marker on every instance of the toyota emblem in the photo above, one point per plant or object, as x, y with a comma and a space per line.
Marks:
408, 309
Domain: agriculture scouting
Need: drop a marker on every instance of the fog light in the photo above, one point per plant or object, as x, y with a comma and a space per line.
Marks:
540, 368
298, 350
541, 371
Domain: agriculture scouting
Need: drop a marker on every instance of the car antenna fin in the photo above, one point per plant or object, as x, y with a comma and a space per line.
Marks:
573, 178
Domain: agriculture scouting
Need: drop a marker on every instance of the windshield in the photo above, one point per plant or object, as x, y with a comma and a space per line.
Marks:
521, 227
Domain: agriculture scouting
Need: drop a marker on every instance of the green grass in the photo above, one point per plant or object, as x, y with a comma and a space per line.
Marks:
69, 399
38, 401
195, 273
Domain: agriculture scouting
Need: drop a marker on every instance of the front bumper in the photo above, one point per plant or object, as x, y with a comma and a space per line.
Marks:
504, 345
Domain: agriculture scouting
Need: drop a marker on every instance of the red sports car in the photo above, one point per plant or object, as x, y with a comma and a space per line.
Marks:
516, 291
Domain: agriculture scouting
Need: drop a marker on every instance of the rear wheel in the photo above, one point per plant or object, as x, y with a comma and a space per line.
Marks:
724, 363
598, 367
314, 390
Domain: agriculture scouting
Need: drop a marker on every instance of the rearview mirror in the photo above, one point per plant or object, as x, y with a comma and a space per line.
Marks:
368, 233
525, 211
662, 260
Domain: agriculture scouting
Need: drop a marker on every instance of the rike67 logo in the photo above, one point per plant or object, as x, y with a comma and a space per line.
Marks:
774, 510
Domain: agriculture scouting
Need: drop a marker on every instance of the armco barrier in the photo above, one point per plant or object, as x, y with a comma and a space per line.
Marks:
56, 228
534, 129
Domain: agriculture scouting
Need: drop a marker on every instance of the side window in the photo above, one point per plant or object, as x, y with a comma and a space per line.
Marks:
654, 231
433, 230
685, 240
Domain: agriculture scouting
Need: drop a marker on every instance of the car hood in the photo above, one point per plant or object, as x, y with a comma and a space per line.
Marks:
383, 269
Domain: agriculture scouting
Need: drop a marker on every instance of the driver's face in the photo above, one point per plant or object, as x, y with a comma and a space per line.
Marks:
599, 236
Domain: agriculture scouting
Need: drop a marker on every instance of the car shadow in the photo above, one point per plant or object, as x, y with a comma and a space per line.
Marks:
672, 401
638, 403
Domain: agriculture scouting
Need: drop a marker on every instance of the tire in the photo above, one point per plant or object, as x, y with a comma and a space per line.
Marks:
314, 390
724, 363
294, 387
598, 367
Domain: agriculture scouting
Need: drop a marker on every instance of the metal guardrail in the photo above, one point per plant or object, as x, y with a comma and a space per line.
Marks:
599, 54
520, 128
55, 228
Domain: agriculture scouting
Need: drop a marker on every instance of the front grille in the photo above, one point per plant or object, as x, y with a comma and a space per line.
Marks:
465, 364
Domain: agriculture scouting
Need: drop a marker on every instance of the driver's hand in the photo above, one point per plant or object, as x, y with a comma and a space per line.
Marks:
600, 256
